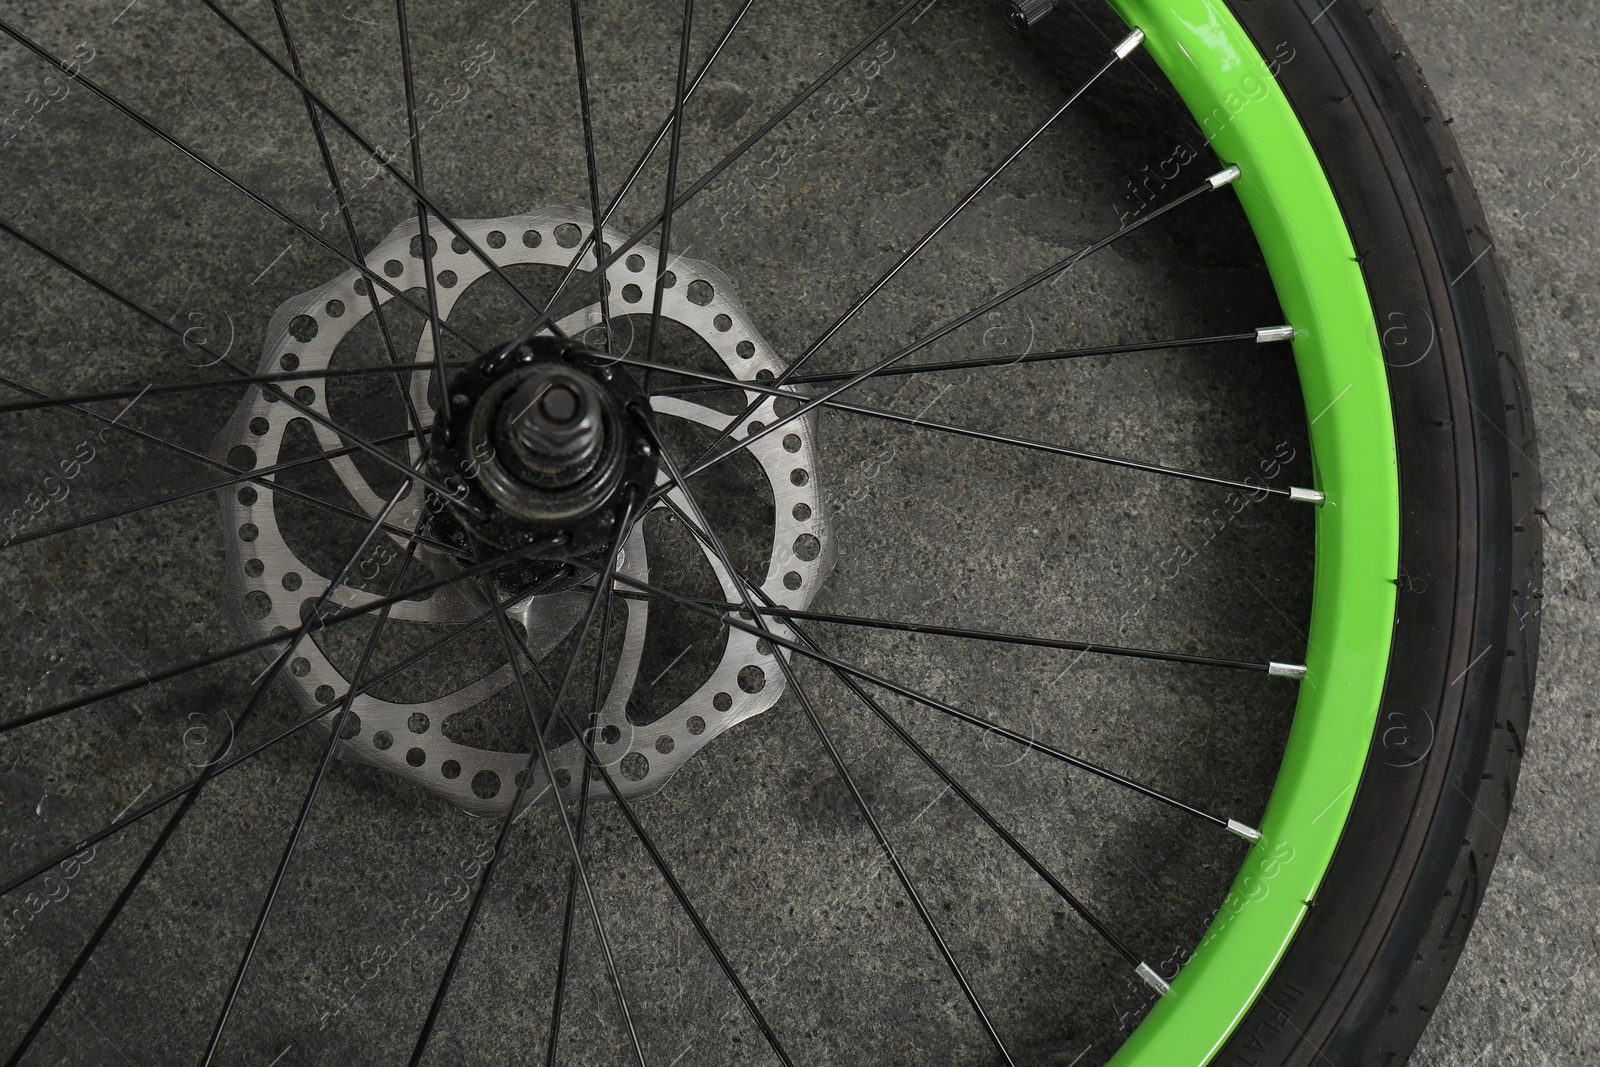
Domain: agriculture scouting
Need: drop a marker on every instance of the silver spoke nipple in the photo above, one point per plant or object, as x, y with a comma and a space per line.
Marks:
1286, 670
1239, 829
1266, 334
1227, 175
1307, 496
1152, 979
1126, 47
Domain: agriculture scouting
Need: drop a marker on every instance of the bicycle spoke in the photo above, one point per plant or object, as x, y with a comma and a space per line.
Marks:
1140, 967
218, 383
373, 277
590, 759
415, 137
1097, 924
260, 689
349, 221
1261, 335
711, 383
58, 991
299, 634
673, 885
593, 166
593, 236
191, 793
1233, 826
664, 255
378, 157
1290, 493
283, 397
711, 175
335, 729
569, 912
1122, 51
839, 764
777, 611
541, 754
215, 464
125, 820
333, 619
1216, 181
259, 476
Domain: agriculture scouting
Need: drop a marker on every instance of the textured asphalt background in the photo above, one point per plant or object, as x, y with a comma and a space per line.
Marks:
1521, 81
758, 826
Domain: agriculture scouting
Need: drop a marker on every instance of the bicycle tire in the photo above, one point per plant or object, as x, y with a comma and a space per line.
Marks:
1366, 970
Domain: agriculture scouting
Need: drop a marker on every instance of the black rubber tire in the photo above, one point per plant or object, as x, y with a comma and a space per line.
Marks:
1360, 980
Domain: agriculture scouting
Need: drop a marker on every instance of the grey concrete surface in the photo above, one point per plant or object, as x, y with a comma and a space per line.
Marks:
1520, 81
759, 829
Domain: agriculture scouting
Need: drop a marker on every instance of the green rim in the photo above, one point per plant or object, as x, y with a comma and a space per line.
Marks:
1227, 86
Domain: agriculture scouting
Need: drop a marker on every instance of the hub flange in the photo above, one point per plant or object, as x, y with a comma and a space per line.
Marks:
544, 439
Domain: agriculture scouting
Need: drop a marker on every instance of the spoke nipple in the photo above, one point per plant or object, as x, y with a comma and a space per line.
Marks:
1129, 43
1266, 334
1307, 496
1024, 13
1152, 979
1225, 176
1286, 670
1239, 829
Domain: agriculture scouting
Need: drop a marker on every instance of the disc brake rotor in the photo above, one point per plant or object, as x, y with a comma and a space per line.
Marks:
270, 589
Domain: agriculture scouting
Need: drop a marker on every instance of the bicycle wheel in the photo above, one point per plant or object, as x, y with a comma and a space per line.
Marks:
828, 489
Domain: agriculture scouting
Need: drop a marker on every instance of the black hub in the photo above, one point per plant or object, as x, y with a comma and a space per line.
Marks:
545, 439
